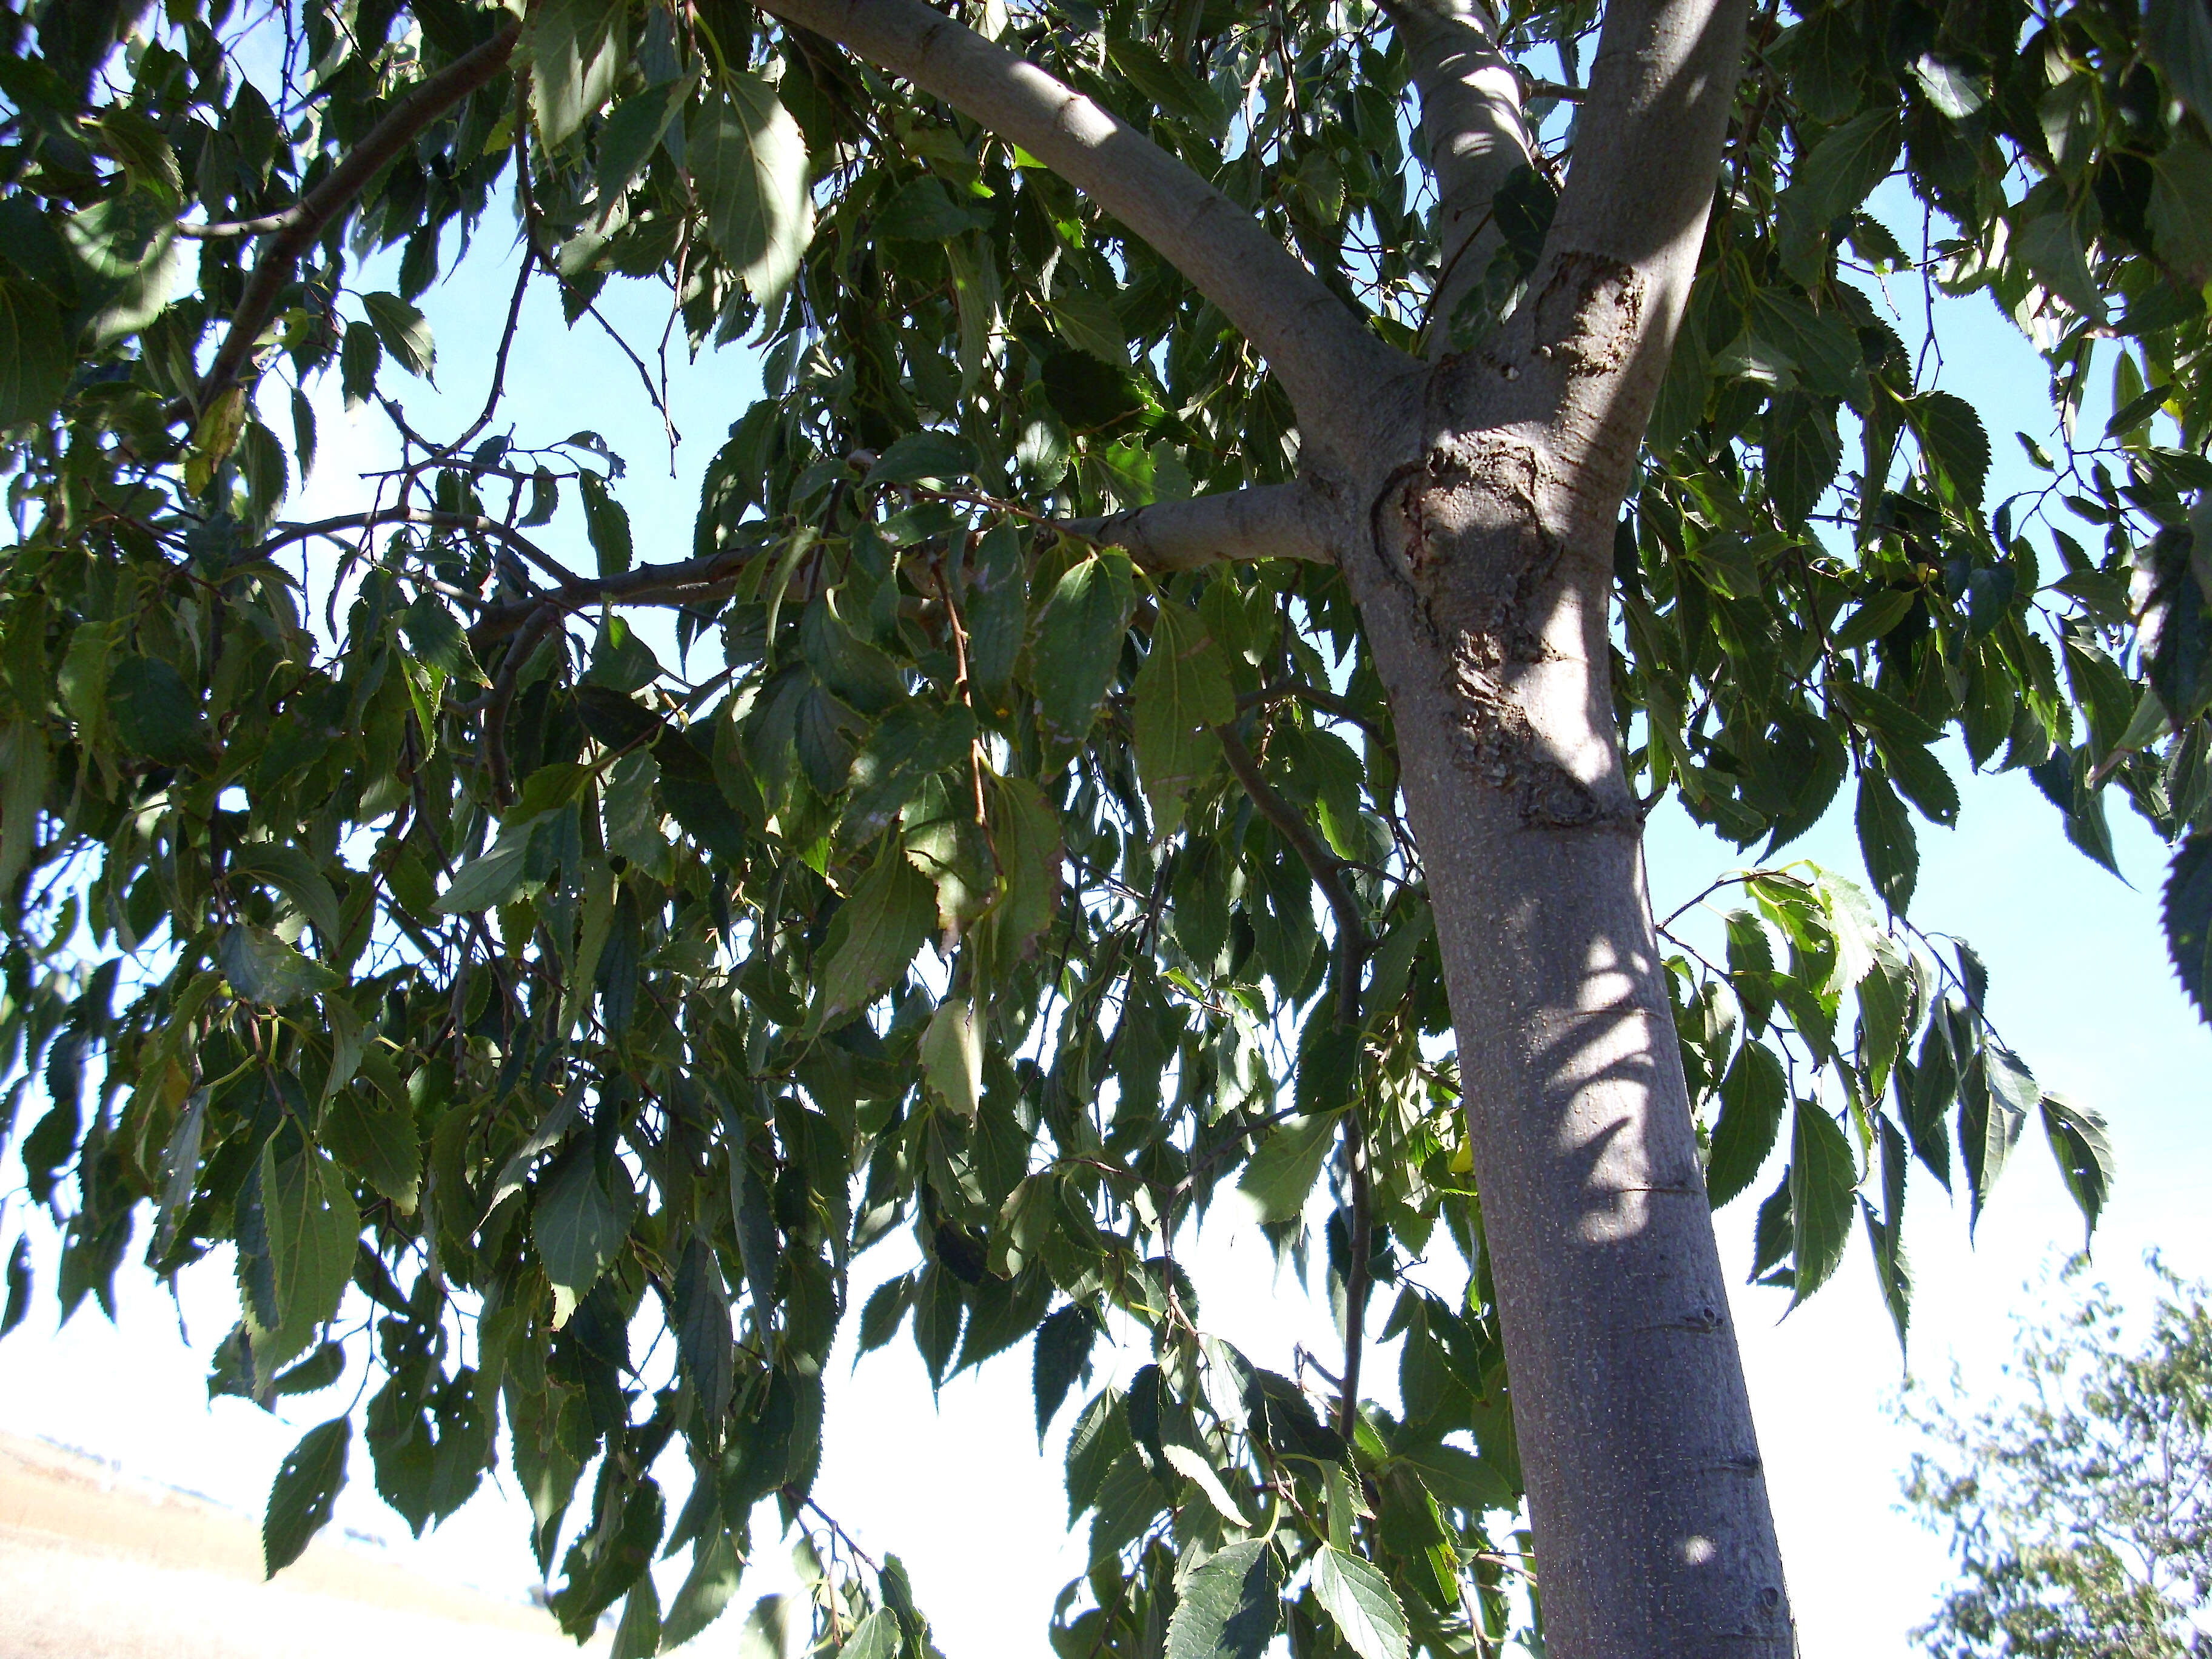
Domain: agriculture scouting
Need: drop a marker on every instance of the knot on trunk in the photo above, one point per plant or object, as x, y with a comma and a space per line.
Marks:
1463, 532
1588, 314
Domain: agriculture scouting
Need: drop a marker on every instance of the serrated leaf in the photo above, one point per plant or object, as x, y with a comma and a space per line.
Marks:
153, 712
294, 874
313, 1230
1822, 1178
576, 58
748, 164
404, 330
875, 934
261, 967
1079, 642
1197, 1468
1752, 1095
944, 457
34, 357
1360, 1599
1951, 432
953, 1056
1183, 694
2084, 1153
1231, 1606
305, 1489
1274, 1184
2187, 911
1996, 1094
577, 1227
1063, 1346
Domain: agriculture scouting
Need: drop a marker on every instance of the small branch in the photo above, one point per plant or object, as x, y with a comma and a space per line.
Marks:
679, 583
1356, 1283
1327, 361
1352, 943
224, 230
494, 733
474, 524
306, 220
1269, 521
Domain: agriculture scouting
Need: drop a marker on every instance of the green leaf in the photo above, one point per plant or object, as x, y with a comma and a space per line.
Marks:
1274, 1184
703, 1337
2084, 1155
577, 1227
914, 742
1996, 1094
495, 876
1802, 454
1839, 171
1231, 1607
712, 1581
1875, 618
1360, 1599
153, 712
634, 131
638, 1635
920, 456
1822, 1178
771, 1630
605, 523
877, 1636
953, 1056
921, 211
1951, 434
313, 1231
1063, 1348
748, 164
294, 874
576, 58
2177, 35
34, 357
1886, 841
379, 1144
1752, 1095
1183, 694
1079, 642
874, 935
2049, 245
1885, 999
2187, 911
404, 330
261, 967
306, 1489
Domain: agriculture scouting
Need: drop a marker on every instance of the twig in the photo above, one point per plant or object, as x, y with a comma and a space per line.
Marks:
474, 524
307, 219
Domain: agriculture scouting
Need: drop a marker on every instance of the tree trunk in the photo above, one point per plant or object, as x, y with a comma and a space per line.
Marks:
1484, 574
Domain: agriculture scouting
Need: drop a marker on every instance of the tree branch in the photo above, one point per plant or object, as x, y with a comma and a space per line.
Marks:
1270, 521
1352, 943
681, 582
1325, 356
1647, 155
507, 535
299, 226
1471, 114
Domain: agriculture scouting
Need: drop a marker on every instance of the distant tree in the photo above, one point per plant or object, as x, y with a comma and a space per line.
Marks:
2080, 1511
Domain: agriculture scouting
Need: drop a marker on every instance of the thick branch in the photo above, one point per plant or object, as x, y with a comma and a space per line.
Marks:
1270, 521
299, 226
1471, 115
1647, 155
1326, 359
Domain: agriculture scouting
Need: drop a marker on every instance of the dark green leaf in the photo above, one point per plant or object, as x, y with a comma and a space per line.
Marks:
1359, 1599
1231, 1606
405, 332
1079, 642
307, 1488
2188, 913
1822, 1178
748, 164
35, 359
2084, 1154
154, 712
1063, 1349
1752, 1095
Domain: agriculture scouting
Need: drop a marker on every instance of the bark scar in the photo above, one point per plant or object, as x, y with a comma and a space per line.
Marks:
1484, 619
1587, 315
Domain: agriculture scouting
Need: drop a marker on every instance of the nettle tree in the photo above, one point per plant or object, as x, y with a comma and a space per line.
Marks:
1252, 508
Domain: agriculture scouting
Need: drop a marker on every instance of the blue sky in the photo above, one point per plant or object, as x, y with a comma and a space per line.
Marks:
2080, 987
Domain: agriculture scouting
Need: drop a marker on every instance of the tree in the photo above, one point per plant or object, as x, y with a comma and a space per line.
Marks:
1187, 487
2080, 1513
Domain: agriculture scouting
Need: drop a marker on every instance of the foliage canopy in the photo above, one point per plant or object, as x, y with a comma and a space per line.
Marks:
381, 904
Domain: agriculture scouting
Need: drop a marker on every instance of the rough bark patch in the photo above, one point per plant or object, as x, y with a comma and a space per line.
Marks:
1463, 531
1587, 317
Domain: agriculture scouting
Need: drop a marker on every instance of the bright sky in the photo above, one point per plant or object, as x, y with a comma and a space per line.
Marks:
2080, 987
